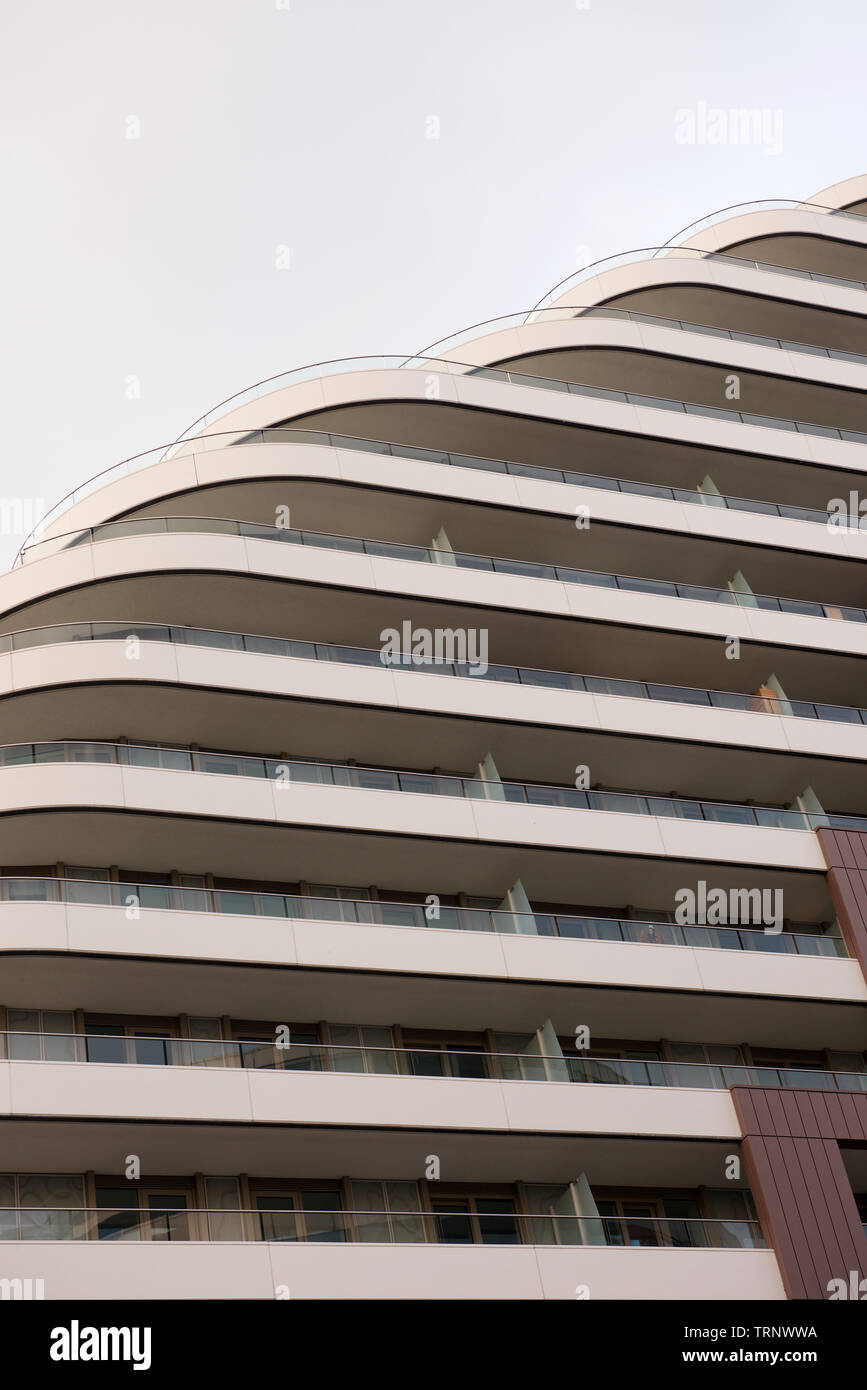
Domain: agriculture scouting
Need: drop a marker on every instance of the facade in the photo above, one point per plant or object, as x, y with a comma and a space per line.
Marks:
434, 842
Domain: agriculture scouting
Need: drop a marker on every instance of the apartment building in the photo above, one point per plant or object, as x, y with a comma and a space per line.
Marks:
434, 840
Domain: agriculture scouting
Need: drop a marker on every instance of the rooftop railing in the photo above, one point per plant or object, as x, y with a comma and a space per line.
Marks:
163, 452
524, 569
650, 253
458, 1064
448, 1224
301, 650
567, 312
252, 902
510, 376
538, 472
765, 204
417, 359
289, 773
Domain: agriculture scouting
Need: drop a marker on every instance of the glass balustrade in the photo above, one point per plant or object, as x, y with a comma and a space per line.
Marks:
303, 650
290, 772
252, 902
277, 434
308, 1225
526, 569
147, 1049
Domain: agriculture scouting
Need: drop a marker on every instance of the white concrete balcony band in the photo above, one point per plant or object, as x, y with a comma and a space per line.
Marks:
95, 653
296, 777
647, 957
252, 559
487, 564
160, 1269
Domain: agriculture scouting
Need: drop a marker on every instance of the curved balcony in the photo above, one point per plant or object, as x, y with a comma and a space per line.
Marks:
809, 205
148, 959
330, 1226
361, 1268
289, 772
710, 412
646, 253
566, 312
419, 1063
525, 569
260, 1104
30, 639
298, 907
446, 458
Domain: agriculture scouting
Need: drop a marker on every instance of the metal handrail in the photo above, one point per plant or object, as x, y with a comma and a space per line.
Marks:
557, 1068
296, 906
563, 313
772, 204
301, 649
171, 1223
651, 252
288, 773
525, 569
166, 451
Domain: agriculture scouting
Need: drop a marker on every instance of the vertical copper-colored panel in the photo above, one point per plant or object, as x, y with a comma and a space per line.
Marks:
846, 856
773, 1198
795, 1168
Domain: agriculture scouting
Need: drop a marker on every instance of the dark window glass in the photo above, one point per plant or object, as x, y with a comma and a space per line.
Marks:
453, 1223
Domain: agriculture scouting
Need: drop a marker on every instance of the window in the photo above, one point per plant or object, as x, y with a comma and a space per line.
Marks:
151, 1050
258, 1048
618, 1063
35, 1035
34, 886
277, 1218
141, 1213
39, 1206
708, 1065
852, 1067
167, 1216
443, 1058
223, 1199
191, 893
120, 1206
398, 1207
516, 1059
105, 1043
554, 1220
118, 1043
652, 1221
476, 1221
402, 910
329, 904
362, 1048
308, 1214
734, 1217
84, 885
206, 1047
793, 1068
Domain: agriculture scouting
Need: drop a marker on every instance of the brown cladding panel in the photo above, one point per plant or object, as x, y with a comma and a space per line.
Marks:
800, 1184
761, 1172
845, 854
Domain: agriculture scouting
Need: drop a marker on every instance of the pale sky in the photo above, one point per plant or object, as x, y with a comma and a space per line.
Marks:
305, 124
